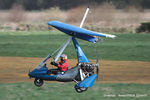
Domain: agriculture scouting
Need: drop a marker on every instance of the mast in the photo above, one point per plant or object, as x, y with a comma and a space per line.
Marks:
84, 17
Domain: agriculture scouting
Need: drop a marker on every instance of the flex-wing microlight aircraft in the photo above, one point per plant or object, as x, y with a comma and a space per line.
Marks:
83, 74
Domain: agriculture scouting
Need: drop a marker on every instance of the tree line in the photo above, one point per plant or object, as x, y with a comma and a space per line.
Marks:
67, 4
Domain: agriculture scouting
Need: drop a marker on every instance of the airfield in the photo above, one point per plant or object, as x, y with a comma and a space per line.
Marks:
15, 69
124, 67
26, 39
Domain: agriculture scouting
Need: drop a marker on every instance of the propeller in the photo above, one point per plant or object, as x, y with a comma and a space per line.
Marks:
29, 72
97, 64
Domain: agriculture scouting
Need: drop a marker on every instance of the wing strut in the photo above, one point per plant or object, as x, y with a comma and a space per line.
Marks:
46, 58
62, 49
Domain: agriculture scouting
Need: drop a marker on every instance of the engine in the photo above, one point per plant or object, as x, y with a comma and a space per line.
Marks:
88, 68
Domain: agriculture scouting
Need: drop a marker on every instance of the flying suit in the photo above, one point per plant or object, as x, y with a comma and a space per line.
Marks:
63, 65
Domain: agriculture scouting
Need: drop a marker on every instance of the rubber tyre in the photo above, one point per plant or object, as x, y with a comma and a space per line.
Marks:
38, 82
84, 89
80, 90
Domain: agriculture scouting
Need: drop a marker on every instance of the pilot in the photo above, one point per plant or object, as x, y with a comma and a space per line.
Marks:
62, 65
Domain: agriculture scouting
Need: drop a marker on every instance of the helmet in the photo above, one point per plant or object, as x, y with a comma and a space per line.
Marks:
63, 57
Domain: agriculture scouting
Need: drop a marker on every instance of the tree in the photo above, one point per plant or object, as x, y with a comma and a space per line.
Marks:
67, 4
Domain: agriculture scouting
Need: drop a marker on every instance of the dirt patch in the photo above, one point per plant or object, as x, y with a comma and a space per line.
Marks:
15, 69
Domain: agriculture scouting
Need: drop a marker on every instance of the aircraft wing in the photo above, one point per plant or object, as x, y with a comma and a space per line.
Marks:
78, 32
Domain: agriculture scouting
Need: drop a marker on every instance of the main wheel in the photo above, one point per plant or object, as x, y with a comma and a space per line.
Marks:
83, 89
38, 82
80, 90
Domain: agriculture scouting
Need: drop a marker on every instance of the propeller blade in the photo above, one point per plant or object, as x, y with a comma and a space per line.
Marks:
97, 70
97, 64
29, 72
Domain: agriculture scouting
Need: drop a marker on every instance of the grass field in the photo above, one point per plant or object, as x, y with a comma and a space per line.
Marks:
131, 80
124, 78
39, 44
56, 91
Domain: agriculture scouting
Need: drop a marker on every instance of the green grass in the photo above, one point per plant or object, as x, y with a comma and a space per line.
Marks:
65, 91
39, 44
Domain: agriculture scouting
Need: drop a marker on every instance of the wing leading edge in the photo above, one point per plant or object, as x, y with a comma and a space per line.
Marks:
78, 32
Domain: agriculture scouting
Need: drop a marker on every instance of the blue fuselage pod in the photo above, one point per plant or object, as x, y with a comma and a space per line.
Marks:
41, 73
67, 76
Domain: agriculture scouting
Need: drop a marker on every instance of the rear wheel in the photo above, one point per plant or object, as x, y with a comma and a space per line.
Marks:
80, 90
38, 82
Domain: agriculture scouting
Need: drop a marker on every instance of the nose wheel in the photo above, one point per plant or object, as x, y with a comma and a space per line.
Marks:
38, 82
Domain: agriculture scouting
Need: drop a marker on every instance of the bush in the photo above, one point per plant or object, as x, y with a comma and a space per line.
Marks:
55, 14
75, 15
103, 13
17, 13
144, 27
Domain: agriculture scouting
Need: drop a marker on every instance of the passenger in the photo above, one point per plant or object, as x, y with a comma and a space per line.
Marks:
62, 65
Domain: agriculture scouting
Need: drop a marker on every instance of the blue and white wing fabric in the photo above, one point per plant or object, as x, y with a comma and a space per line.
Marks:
78, 32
